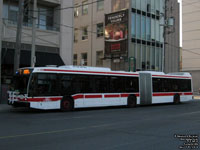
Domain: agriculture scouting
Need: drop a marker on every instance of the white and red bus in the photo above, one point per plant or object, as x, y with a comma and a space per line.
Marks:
69, 87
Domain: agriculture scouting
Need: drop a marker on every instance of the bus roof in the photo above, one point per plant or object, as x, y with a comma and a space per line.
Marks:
169, 75
103, 71
83, 70
86, 68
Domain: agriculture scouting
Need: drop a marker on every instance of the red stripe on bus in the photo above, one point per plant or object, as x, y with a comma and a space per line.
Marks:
78, 97
126, 95
74, 71
188, 93
137, 95
170, 94
41, 99
81, 96
93, 96
163, 94
112, 96
171, 76
101, 96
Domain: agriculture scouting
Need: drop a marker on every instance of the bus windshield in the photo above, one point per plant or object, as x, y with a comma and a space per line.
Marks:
20, 83
21, 79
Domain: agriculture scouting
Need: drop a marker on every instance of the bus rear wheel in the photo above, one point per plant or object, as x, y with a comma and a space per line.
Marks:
177, 99
67, 104
132, 101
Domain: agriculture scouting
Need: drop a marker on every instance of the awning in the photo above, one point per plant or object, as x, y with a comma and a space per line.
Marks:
42, 58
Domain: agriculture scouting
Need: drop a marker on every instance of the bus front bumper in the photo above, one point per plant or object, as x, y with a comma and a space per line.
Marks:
19, 104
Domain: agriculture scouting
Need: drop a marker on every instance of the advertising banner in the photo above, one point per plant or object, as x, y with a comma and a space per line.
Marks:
116, 32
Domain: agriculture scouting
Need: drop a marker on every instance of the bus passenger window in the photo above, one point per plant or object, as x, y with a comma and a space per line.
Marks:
45, 85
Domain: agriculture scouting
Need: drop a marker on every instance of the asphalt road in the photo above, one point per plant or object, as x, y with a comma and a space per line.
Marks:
158, 127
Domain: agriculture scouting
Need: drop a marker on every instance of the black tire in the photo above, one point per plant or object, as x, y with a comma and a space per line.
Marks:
177, 99
132, 101
67, 104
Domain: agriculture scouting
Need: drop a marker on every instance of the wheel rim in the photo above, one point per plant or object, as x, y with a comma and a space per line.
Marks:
66, 105
132, 103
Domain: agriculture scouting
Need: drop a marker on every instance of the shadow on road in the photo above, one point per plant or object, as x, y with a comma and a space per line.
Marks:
36, 111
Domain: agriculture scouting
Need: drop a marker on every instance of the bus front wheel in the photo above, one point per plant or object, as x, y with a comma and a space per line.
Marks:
67, 104
132, 101
177, 99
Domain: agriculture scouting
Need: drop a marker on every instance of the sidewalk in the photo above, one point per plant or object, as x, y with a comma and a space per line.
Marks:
4, 107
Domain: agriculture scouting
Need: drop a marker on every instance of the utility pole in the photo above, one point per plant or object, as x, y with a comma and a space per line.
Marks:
164, 34
33, 57
1, 21
91, 33
18, 36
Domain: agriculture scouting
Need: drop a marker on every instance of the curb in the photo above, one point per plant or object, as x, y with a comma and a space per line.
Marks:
4, 106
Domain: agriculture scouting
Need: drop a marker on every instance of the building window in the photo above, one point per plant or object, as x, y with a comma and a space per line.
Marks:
76, 12
153, 6
100, 30
75, 60
12, 14
152, 56
85, 8
143, 57
157, 30
153, 29
27, 20
138, 57
160, 59
44, 15
133, 24
118, 5
100, 5
5, 11
75, 35
149, 6
99, 58
143, 27
84, 33
133, 3
45, 18
138, 26
84, 59
138, 4
148, 28
148, 57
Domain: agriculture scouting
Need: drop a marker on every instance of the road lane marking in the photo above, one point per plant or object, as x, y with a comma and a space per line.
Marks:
78, 117
56, 131
189, 113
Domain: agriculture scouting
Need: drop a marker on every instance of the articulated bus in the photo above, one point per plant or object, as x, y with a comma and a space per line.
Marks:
69, 87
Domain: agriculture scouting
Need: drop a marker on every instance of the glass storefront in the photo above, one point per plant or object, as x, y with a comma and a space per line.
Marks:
147, 34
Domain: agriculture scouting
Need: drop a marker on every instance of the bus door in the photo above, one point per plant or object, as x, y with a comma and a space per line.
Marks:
145, 88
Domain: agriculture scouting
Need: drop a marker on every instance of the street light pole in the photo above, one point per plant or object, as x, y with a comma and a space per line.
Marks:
33, 57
